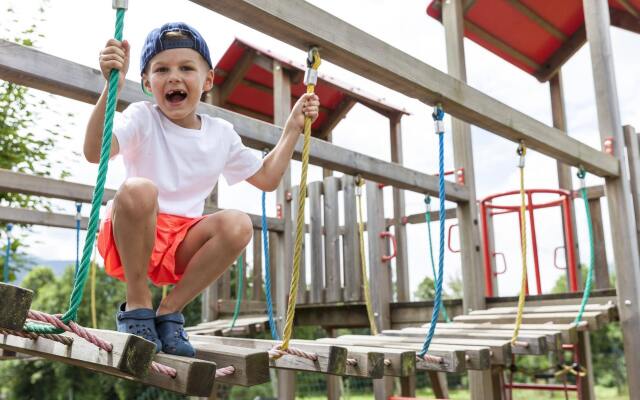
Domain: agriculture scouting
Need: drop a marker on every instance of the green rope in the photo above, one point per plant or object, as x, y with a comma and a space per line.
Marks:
587, 286
239, 290
94, 217
427, 214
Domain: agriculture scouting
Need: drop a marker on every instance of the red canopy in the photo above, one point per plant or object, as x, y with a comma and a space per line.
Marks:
537, 36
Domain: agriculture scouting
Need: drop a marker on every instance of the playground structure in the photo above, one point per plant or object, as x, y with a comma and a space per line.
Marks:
334, 298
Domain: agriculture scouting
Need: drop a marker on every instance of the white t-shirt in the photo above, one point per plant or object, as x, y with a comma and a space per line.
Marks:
184, 164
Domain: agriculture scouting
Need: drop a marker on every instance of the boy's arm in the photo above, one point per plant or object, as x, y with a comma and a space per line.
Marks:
95, 127
276, 162
115, 55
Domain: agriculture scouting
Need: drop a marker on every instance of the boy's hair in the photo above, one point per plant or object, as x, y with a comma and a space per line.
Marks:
173, 35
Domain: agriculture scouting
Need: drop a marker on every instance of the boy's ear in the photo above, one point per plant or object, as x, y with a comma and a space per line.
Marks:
145, 82
208, 81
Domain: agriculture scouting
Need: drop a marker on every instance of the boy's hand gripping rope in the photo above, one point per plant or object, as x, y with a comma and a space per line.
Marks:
587, 286
522, 152
363, 261
438, 117
310, 79
427, 202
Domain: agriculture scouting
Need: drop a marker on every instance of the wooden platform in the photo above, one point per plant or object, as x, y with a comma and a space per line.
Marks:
247, 325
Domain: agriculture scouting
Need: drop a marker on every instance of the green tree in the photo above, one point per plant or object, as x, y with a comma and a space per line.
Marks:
426, 290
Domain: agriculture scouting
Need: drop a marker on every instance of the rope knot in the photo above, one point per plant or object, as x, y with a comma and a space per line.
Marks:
438, 119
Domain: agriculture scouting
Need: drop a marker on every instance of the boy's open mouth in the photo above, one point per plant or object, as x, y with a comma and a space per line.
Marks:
175, 96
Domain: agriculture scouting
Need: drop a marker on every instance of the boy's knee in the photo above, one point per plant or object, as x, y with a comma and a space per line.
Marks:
239, 227
138, 196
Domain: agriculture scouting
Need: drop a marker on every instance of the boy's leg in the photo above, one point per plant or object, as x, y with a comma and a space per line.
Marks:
134, 215
208, 249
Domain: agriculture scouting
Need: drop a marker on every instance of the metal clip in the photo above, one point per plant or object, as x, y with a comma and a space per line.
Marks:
439, 126
522, 151
124, 4
311, 76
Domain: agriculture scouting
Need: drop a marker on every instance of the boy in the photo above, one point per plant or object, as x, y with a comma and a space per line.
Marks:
173, 158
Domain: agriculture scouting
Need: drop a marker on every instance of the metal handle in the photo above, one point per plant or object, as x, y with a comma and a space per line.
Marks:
555, 258
394, 244
504, 262
449, 240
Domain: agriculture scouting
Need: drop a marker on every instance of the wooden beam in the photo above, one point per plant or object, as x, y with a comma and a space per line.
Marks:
302, 24
538, 19
564, 53
248, 112
32, 68
194, 377
331, 359
33, 217
568, 332
633, 161
251, 366
625, 21
623, 233
629, 7
420, 218
595, 320
335, 116
236, 75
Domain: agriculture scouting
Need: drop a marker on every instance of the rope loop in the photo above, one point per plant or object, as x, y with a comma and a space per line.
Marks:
522, 152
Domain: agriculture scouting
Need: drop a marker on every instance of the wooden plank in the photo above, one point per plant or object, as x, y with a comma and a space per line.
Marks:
403, 291
315, 241
302, 284
453, 360
14, 307
301, 24
247, 306
32, 68
610, 311
131, 355
351, 243
601, 265
331, 359
568, 332
193, 377
379, 274
34, 217
538, 20
251, 366
623, 233
595, 320
398, 363
467, 213
332, 273
420, 218
583, 349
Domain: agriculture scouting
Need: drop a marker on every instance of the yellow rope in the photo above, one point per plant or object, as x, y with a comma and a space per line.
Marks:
363, 261
313, 62
522, 151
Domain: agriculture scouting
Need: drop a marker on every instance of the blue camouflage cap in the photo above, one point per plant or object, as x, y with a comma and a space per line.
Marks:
156, 42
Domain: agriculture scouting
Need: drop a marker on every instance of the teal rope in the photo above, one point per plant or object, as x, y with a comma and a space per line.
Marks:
267, 271
83, 271
239, 290
587, 287
438, 116
7, 256
427, 214
78, 218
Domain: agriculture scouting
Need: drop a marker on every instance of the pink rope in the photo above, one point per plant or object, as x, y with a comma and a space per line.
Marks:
387, 362
225, 371
163, 369
352, 362
73, 327
66, 340
430, 359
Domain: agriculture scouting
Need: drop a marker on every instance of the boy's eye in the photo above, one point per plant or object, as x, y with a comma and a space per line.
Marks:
160, 69
187, 68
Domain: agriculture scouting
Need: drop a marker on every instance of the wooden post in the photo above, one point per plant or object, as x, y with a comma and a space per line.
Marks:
402, 259
326, 172
564, 171
351, 243
281, 110
314, 190
480, 382
633, 157
492, 253
601, 267
623, 233
333, 281
333, 382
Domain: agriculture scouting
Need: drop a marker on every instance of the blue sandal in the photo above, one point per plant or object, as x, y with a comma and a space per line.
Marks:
174, 339
138, 322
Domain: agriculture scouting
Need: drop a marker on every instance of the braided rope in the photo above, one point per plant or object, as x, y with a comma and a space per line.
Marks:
522, 151
429, 358
56, 321
352, 362
83, 270
387, 362
363, 260
313, 62
163, 369
267, 270
587, 287
278, 351
438, 116
427, 201
65, 340
239, 290
225, 371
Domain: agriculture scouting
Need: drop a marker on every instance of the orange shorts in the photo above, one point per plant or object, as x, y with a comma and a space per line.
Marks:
170, 232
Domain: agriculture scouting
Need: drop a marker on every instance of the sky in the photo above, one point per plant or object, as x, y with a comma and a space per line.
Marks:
76, 30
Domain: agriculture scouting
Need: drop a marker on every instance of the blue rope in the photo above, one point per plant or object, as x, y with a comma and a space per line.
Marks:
438, 116
427, 214
7, 256
78, 218
267, 266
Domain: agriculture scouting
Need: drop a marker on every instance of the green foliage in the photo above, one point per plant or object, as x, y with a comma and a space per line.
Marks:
426, 290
